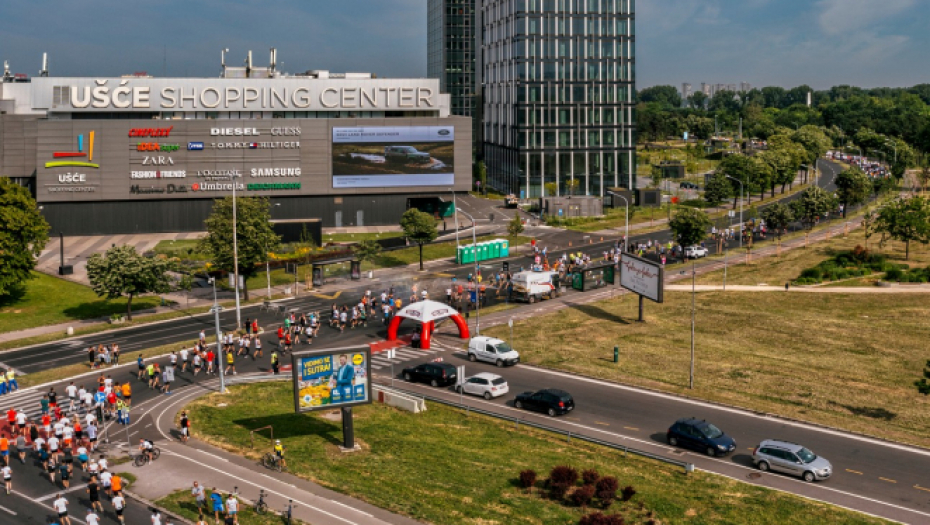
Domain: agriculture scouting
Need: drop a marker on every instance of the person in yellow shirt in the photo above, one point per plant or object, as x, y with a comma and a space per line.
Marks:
230, 362
279, 452
11, 380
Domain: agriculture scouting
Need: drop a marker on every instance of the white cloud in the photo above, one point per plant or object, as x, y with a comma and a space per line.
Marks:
838, 16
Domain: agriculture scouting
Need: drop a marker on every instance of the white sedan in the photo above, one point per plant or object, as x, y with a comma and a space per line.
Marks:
694, 252
485, 385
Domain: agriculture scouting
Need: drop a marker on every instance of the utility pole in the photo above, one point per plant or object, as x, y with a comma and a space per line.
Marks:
219, 336
474, 242
693, 274
236, 256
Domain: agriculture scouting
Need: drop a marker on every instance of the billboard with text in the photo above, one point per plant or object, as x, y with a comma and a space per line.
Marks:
384, 157
333, 378
643, 277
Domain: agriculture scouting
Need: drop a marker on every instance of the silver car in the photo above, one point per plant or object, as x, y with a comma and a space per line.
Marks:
485, 385
791, 458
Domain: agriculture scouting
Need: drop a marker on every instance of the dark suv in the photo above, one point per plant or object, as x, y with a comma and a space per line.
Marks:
436, 374
700, 435
550, 400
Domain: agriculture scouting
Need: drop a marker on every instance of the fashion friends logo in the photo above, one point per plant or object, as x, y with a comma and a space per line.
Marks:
75, 156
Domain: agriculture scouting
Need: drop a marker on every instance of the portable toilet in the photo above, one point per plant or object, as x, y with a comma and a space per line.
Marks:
460, 255
505, 248
482, 251
495, 247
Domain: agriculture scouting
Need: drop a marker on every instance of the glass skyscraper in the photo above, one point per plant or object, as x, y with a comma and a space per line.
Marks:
557, 86
452, 48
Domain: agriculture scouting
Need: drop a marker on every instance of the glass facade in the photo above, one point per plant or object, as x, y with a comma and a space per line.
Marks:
558, 86
451, 52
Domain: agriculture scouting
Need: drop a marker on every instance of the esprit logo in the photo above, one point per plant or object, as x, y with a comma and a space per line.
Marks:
80, 153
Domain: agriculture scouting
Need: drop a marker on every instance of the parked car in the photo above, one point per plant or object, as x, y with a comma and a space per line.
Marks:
688, 185
485, 385
436, 374
791, 458
492, 350
549, 400
405, 154
694, 252
700, 435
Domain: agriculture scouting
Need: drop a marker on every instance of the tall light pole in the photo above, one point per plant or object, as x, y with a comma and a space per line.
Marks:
219, 336
236, 255
474, 243
626, 236
456, 210
740, 208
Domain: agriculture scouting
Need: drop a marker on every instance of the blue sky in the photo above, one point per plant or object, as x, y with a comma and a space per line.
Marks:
763, 42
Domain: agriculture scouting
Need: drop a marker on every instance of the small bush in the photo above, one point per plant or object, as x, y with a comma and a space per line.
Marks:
598, 518
893, 274
606, 490
527, 478
582, 495
859, 253
557, 491
812, 273
628, 492
590, 476
563, 475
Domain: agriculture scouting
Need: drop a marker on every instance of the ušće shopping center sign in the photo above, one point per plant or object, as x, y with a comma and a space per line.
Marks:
287, 93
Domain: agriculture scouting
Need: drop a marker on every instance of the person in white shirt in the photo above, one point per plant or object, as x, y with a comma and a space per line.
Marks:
39, 443
156, 517
59, 428
68, 432
7, 477
72, 394
102, 463
232, 506
89, 418
53, 445
184, 356
21, 421
105, 480
118, 505
61, 506
93, 468
92, 518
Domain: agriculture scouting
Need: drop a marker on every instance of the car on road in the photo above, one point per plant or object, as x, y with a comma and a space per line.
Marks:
485, 385
436, 374
700, 435
405, 154
790, 458
552, 401
492, 350
688, 185
694, 252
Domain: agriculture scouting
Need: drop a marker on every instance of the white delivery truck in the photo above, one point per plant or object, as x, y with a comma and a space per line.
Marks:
535, 286
491, 350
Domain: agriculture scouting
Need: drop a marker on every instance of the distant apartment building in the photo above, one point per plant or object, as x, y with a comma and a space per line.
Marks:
745, 86
557, 91
686, 91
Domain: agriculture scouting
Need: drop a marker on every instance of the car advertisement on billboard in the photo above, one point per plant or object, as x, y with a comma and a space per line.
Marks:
332, 378
383, 157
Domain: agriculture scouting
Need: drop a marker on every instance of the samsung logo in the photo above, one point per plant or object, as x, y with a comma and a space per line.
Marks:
194, 146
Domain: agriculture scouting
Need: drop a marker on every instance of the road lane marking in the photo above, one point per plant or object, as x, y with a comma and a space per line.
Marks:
853, 471
328, 297
918, 487
4, 509
602, 423
886, 479
631, 428
52, 495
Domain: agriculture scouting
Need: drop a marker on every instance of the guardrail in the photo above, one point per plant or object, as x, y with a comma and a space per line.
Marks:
688, 467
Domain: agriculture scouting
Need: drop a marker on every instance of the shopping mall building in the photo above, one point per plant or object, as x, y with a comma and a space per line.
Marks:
143, 154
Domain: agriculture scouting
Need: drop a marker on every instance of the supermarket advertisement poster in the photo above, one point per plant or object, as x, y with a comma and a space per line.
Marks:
331, 379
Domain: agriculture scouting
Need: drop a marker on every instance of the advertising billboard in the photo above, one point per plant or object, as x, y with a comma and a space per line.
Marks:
385, 157
333, 378
643, 277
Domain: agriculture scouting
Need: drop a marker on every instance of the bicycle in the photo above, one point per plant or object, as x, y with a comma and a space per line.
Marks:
260, 506
143, 458
271, 460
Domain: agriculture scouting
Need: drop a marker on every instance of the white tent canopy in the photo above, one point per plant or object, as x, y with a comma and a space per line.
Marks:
426, 311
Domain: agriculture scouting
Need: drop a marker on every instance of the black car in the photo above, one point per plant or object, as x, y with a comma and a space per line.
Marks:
700, 435
436, 374
550, 400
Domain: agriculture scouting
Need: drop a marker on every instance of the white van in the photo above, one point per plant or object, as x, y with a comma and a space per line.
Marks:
535, 286
492, 350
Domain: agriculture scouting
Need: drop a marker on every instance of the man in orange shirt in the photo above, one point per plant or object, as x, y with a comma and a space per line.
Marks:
5, 449
127, 393
116, 484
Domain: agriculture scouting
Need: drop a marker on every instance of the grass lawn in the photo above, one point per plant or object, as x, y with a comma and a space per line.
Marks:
49, 300
443, 467
182, 503
826, 358
184, 249
357, 237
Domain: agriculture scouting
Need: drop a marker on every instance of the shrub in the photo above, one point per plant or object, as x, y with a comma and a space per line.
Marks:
598, 518
557, 491
582, 495
812, 273
628, 492
563, 475
606, 490
842, 261
590, 476
527, 478
894, 274
859, 253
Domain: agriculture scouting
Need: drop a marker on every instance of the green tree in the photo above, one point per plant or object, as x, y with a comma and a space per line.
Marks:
690, 226
254, 234
420, 228
666, 95
717, 190
852, 187
23, 234
777, 217
480, 174
186, 284
740, 168
814, 141
812, 204
367, 251
922, 385
763, 176
905, 220
515, 226
698, 100
122, 271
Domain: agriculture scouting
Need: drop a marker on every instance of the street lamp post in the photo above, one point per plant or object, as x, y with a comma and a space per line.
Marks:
740, 208
474, 242
236, 256
626, 236
219, 336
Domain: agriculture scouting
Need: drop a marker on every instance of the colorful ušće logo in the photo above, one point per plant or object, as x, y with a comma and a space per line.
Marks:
76, 155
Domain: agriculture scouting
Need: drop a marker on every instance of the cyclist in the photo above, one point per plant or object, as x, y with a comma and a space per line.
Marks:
146, 446
279, 452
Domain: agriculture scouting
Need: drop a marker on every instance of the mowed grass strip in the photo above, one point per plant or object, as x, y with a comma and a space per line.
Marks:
844, 360
181, 502
444, 467
48, 300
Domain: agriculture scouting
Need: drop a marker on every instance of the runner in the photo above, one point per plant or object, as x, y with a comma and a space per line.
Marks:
116, 485
173, 358
92, 518
93, 493
150, 373
168, 376
5, 449
210, 362
127, 393
141, 364
61, 506
184, 356
65, 475
258, 348
82, 457
197, 363
185, 425
21, 447
118, 505
230, 362
72, 395
7, 478
287, 341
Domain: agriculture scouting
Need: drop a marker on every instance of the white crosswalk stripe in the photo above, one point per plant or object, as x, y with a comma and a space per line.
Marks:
379, 361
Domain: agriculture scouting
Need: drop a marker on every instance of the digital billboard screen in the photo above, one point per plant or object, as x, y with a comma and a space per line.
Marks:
383, 157
333, 378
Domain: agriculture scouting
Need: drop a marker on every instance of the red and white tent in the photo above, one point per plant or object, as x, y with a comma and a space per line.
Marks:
427, 313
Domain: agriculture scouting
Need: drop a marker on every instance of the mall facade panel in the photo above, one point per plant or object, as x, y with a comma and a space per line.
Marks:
127, 155
558, 86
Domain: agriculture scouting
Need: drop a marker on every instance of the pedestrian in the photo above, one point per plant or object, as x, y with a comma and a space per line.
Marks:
118, 505
156, 517
92, 517
274, 362
199, 497
61, 506
217, 499
11, 380
185, 424
7, 478
231, 362
248, 326
232, 508
115, 355
93, 493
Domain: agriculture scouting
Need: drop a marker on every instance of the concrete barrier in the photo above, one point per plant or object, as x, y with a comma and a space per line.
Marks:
398, 399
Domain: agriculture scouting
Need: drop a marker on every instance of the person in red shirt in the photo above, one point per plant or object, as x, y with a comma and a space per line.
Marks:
46, 424
210, 357
280, 334
11, 419
287, 341
255, 326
